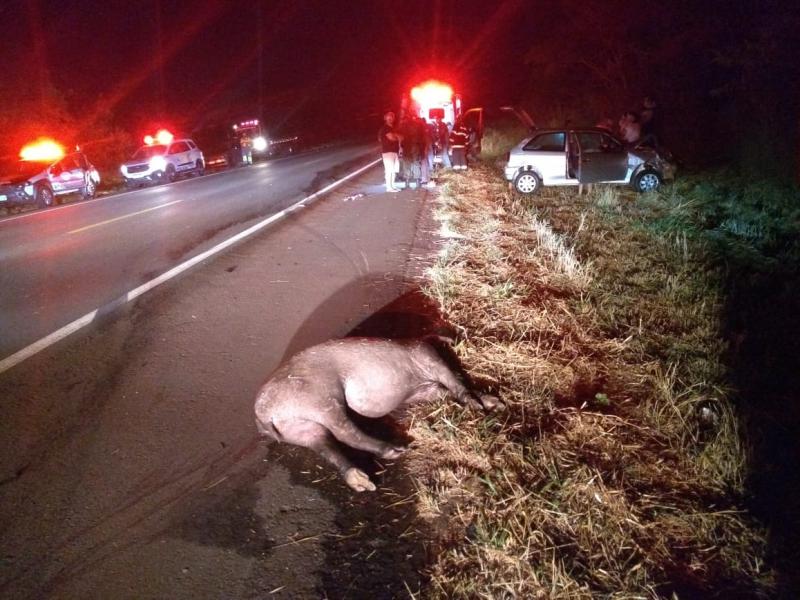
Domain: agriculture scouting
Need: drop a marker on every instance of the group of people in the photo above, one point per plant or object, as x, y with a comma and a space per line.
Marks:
415, 143
636, 128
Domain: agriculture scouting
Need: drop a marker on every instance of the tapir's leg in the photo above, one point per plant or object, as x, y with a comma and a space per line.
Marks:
348, 433
309, 434
448, 379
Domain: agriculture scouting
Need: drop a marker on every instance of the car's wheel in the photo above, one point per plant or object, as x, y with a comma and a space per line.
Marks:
44, 196
527, 182
647, 181
89, 190
169, 174
201, 168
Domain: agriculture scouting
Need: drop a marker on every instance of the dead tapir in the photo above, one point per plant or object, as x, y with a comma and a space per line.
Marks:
305, 400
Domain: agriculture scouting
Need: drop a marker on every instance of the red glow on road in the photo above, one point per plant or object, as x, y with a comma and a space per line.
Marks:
43, 149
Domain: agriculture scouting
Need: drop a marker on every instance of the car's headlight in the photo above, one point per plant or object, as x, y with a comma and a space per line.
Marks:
28, 189
260, 143
158, 163
123, 169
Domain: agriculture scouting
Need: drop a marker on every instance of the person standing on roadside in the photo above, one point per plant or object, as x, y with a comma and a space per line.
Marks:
649, 122
459, 143
425, 142
629, 129
390, 140
442, 140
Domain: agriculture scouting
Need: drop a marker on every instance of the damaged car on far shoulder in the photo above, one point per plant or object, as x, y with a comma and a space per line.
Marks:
573, 156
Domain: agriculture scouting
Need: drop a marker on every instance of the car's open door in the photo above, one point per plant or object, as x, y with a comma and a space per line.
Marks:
599, 157
472, 119
522, 115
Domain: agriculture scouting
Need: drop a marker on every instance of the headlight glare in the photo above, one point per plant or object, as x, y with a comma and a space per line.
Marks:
158, 163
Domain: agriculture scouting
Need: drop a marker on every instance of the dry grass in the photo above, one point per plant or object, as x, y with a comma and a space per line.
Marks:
615, 469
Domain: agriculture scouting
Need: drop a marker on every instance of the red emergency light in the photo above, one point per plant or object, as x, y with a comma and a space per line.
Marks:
163, 137
43, 149
432, 93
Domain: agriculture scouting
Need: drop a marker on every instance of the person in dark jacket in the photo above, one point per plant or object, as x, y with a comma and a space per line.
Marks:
441, 140
648, 122
459, 139
425, 151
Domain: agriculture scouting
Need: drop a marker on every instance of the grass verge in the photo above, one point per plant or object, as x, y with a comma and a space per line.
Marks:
617, 468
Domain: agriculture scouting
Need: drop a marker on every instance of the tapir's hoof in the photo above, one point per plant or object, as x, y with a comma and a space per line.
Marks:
393, 453
358, 480
490, 402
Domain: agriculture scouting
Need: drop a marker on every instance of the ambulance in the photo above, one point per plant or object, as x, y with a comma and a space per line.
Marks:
435, 100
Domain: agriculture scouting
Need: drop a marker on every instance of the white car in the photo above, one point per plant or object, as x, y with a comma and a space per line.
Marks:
159, 163
589, 155
44, 182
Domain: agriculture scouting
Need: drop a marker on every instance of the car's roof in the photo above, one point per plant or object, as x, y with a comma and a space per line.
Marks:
563, 129
174, 141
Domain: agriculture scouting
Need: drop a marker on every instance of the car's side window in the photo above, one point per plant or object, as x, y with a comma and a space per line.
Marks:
609, 144
66, 164
590, 141
547, 142
178, 147
82, 162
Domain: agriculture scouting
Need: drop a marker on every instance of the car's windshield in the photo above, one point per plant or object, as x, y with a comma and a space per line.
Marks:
22, 168
146, 152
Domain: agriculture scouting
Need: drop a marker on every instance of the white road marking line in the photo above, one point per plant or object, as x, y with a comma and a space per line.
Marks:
60, 334
133, 214
111, 196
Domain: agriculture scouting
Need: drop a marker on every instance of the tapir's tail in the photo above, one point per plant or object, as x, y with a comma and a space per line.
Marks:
268, 429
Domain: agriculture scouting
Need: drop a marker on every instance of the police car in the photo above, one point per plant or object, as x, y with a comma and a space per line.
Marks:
45, 174
162, 159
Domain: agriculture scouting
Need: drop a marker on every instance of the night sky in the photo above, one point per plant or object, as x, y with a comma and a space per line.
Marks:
724, 72
201, 61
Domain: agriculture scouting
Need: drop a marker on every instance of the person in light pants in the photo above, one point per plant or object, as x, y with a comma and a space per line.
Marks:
390, 149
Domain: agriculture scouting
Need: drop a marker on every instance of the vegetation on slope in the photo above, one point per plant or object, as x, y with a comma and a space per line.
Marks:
621, 464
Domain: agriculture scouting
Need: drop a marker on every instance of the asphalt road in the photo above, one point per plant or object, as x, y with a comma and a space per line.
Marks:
129, 461
59, 264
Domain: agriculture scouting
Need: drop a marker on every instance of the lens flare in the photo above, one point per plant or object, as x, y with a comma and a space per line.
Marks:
164, 137
432, 93
43, 149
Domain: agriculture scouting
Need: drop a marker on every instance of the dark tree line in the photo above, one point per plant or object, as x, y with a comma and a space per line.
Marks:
725, 74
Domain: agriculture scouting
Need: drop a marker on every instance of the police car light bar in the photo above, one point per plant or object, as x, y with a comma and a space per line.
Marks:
163, 137
43, 149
